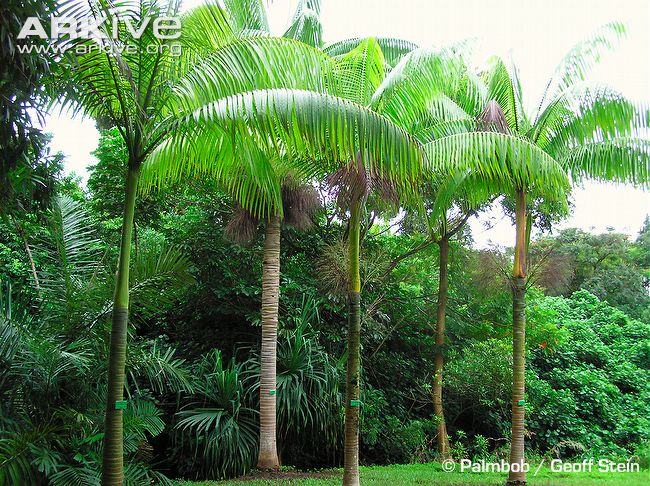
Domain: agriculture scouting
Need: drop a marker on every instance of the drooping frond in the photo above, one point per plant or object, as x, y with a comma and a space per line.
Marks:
357, 74
580, 60
233, 159
250, 64
625, 160
159, 276
318, 133
306, 26
462, 191
505, 160
419, 77
393, 49
587, 116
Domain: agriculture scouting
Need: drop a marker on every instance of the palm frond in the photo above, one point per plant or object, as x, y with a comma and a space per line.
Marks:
577, 63
249, 64
501, 159
392, 48
248, 15
159, 275
160, 369
625, 160
418, 79
356, 75
587, 116
206, 27
305, 25
319, 133
504, 88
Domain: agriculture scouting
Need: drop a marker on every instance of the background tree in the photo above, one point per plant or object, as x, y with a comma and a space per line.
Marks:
23, 73
586, 132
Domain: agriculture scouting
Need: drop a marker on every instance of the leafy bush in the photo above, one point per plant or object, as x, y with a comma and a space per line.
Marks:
593, 388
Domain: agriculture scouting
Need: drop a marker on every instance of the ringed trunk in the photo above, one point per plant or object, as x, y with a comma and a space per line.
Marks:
442, 438
352, 378
268, 456
113, 455
517, 458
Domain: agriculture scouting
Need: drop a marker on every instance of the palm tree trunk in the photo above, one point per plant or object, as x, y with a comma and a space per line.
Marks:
352, 389
113, 459
443, 439
268, 457
517, 458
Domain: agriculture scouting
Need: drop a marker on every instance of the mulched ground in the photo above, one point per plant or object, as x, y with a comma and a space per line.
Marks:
260, 474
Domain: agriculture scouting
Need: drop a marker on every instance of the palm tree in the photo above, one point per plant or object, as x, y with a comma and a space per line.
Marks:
267, 182
578, 131
314, 133
364, 75
141, 94
449, 198
299, 201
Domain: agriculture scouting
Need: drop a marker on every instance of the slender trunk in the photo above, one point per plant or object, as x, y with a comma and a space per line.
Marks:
443, 439
21, 231
517, 458
268, 457
113, 460
352, 388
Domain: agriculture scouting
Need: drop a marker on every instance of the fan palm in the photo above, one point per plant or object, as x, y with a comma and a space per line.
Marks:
577, 130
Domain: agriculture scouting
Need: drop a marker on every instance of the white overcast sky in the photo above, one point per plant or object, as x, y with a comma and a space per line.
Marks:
536, 33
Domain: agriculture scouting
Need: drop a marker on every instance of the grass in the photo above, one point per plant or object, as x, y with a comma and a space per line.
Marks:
432, 473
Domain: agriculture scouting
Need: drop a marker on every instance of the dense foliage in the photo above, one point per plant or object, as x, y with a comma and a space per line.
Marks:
192, 368
353, 317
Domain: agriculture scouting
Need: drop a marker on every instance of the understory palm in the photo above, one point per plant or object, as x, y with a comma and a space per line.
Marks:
52, 357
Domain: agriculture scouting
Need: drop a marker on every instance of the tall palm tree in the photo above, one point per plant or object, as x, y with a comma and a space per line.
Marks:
278, 198
142, 95
577, 130
128, 91
449, 198
299, 202
314, 132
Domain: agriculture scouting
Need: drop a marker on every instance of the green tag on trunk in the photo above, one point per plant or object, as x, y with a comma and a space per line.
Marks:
521, 402
355, 403
272, 392
120, 405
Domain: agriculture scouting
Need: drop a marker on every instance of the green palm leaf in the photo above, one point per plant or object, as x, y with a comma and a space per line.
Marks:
393, 49
306, 26
625, 160
505, 160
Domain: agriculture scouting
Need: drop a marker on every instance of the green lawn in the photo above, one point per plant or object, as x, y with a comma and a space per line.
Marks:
433, 474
